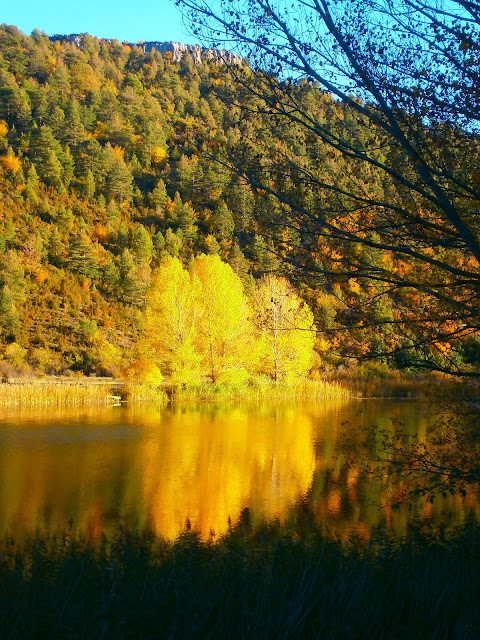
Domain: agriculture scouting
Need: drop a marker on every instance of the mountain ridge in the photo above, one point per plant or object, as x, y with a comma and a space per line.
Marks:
177, 49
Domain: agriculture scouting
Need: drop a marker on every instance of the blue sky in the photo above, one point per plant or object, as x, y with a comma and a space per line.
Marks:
122, 19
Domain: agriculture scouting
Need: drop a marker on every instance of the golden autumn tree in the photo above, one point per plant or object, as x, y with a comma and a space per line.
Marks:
143, 371
285, 326
169, 331
225, 331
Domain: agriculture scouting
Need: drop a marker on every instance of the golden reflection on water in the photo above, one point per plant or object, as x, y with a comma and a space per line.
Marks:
157, 469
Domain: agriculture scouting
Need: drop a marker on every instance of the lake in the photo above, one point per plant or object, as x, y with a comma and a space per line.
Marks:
204, 466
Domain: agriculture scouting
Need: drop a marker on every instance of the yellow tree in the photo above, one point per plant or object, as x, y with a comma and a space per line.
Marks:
225, 331
285, 327
169, 330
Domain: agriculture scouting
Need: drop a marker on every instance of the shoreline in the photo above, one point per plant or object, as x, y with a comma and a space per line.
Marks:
92, 391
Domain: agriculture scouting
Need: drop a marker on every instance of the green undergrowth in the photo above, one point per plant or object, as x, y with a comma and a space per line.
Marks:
267, 584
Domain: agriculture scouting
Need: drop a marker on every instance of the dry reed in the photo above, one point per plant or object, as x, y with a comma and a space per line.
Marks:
54, 394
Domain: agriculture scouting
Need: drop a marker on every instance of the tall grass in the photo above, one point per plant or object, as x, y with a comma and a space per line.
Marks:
393, 386
264, 585
263, 388
54, 394
137, 393
86, 392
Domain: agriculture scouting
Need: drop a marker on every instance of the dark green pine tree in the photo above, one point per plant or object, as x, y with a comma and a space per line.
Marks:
111, 278
88, 185
134, 279
141, 245
118, 177
74, 131
186, 219
31, 185
159, 243
14, 103
239, 263
159, 195
12, 275
81, 258
51, 171
10, 324
56, 250
263, 254
68, 165
224, 224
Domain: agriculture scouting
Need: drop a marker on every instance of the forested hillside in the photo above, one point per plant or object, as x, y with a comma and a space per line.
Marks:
106, 175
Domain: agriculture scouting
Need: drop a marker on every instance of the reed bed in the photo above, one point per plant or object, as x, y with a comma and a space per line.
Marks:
263, 585
86, 392
54, 394
137, 393
262, 388
395, 386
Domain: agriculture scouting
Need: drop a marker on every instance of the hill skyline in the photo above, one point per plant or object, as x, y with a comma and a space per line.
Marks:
152, 20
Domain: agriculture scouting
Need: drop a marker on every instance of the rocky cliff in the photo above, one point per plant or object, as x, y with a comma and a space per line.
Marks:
198, 53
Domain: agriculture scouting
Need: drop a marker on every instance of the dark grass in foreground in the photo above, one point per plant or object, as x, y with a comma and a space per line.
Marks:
263, 585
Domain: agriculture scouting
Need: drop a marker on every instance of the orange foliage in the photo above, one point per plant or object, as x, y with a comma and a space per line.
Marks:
41, 275
101, 233
443, 347
402, 267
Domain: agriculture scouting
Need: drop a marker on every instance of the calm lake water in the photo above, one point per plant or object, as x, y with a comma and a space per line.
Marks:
156, 469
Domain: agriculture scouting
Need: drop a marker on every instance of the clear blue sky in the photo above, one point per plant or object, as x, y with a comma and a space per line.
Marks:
122, 19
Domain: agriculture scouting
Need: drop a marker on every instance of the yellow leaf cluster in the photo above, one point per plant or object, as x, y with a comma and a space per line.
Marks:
285, 327
110, 86
158, 155
3, 128
143, 372
100, 130
354, 286
11, 163
170, 323
51, 64
118, 152
322, 345
225, 334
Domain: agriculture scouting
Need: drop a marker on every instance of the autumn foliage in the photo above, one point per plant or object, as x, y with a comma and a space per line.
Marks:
201, 325
122, 238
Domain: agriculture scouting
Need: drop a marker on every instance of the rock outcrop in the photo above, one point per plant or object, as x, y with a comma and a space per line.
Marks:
199, 54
